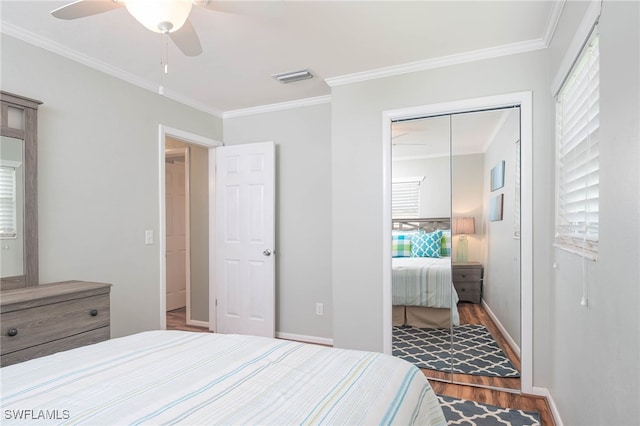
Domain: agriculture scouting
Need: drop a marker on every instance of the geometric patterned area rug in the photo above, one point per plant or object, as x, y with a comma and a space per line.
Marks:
464, 412
475, 351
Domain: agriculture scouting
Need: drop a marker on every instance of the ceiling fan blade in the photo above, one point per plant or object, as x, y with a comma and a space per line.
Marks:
82, 8
187, 39
267, 9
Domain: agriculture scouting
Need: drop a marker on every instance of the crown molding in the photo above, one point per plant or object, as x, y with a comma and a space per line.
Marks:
51, 46
552, 21
443, 61
277, 107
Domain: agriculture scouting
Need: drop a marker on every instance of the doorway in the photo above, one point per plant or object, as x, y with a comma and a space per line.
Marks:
523, 100
177, 196
184, 237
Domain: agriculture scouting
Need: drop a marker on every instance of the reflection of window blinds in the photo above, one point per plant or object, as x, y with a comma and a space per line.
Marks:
405, 199
7, 202
577, 139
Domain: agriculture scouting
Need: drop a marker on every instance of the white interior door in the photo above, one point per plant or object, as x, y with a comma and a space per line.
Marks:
176, 233
245, 239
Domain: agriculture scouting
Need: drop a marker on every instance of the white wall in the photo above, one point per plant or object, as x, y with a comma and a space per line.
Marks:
435, 190
98, 176
594, 373
501, 250
466, 199
303, 211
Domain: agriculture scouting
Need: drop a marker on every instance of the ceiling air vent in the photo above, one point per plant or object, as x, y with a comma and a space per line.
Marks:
290, 77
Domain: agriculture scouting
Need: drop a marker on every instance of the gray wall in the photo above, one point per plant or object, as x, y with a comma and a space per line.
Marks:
357, 158
593, 373
303, 211
501, 250
199, 235
98, 188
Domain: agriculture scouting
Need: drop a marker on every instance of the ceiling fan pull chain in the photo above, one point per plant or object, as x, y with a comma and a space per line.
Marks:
164, 59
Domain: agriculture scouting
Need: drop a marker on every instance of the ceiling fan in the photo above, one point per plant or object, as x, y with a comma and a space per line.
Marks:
165, 16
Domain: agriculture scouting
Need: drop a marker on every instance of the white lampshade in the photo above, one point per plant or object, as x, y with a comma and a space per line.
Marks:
160, 15
464, 225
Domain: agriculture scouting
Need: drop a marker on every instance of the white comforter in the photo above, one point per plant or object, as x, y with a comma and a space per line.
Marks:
171, 377
423, 281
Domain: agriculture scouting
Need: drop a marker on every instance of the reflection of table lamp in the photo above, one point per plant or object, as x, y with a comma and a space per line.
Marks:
463, 226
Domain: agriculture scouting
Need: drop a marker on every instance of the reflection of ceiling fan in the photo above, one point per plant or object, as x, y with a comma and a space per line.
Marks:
395, 141
165, 16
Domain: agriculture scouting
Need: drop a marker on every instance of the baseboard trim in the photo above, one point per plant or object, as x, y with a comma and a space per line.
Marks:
503, 330
544, 392
306, 339
197, 323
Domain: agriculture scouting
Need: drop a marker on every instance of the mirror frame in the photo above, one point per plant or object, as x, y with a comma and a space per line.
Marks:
29, 136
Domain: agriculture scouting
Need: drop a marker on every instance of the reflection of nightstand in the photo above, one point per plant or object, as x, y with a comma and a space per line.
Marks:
467, 280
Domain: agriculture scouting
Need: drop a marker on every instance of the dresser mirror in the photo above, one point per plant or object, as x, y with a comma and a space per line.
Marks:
18, 201
464, 169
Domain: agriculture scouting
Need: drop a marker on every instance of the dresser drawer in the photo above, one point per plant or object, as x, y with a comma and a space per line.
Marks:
460, 275
46, 323
468, 291
71, 342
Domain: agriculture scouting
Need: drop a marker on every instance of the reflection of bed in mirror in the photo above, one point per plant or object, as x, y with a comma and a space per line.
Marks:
422, 292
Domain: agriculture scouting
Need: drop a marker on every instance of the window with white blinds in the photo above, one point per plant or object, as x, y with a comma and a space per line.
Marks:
8, 206
405, 199
577, 155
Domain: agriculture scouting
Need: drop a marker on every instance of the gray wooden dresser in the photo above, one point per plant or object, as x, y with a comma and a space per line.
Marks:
467, 280
49, 318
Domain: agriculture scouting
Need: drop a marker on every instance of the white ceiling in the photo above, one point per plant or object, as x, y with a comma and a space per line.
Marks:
457, 134
331, 38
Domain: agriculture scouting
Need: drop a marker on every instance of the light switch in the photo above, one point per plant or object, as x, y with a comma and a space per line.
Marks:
148, 236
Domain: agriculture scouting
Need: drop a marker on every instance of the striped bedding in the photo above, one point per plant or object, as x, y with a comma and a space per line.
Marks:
177, 377
423, 281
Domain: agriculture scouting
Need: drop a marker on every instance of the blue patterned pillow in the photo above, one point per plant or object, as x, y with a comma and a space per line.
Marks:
426, 245
445, 244
401, 245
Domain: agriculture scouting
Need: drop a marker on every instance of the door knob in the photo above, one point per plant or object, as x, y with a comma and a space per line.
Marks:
267, 252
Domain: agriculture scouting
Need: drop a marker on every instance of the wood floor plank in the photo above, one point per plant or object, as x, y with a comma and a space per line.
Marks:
176, 320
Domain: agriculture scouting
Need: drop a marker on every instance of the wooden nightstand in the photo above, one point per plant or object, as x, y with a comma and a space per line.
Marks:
467, 280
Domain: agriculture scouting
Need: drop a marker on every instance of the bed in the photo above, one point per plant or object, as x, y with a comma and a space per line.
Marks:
422, 291
179, 377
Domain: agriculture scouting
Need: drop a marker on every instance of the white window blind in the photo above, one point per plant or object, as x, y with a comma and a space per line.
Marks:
577, 155
405, 199
7, 202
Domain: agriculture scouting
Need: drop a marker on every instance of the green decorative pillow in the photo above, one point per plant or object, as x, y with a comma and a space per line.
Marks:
426, 245
401, 245
445, 244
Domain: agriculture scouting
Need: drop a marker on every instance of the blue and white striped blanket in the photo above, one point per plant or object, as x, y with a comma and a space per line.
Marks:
175, 377
423, 281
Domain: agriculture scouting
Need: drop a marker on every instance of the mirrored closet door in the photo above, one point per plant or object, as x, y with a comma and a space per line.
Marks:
466, 169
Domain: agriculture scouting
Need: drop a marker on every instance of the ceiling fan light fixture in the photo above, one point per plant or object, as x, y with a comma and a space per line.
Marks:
290, 77
160, 16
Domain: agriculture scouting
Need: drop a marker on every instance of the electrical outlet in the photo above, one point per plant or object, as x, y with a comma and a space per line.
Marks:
319, 309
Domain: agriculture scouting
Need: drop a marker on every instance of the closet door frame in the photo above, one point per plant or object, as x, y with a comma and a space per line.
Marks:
524, 101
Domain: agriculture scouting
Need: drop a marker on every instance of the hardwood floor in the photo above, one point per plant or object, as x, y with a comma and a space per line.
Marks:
499, 398
471, 313
177, 320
